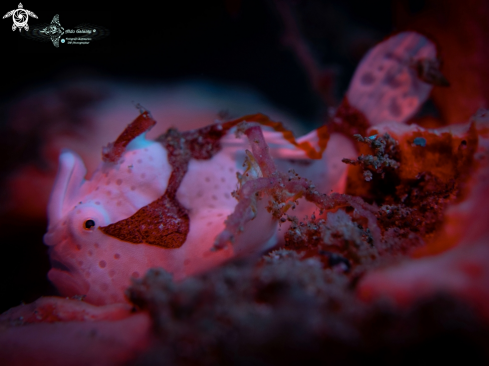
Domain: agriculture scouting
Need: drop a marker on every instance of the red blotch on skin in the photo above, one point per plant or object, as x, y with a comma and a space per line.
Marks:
322, 133
349, 121
445, 156
114, 150
163, 222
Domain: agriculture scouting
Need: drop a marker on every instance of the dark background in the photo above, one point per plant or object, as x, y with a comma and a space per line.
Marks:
228, 40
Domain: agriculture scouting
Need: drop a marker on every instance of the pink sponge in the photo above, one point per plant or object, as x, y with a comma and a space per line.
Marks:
387, 86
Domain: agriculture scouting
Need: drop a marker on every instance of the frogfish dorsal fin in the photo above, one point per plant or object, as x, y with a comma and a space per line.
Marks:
114, 150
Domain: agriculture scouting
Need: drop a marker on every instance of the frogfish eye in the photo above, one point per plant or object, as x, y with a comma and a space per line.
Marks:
89, 224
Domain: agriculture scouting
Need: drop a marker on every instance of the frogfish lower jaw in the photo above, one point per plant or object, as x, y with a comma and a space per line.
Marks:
65, 275
67, 284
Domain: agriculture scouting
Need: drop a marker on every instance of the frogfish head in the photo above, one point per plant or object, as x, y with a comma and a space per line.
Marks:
84, 259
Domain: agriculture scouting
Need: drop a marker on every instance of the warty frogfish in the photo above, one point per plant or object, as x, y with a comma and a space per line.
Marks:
167, 202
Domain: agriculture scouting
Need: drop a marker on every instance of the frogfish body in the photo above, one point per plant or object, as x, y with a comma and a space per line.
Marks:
165, 202
156, 205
